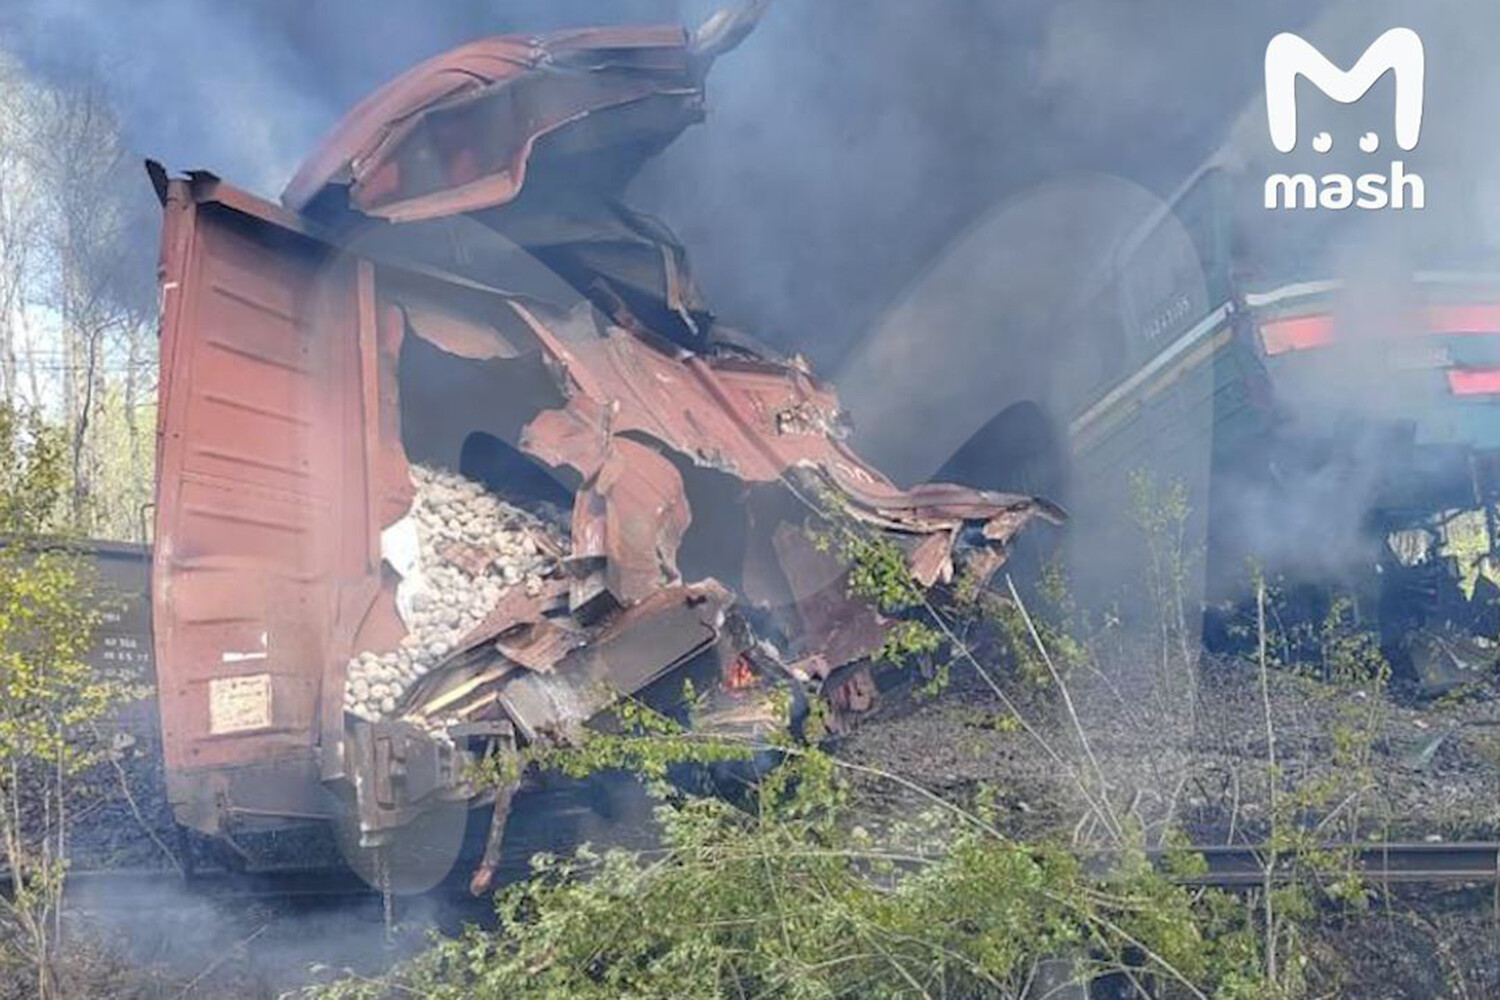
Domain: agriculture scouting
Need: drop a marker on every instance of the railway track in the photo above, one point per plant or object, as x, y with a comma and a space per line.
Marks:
1228, 867
150, 886
1393, 863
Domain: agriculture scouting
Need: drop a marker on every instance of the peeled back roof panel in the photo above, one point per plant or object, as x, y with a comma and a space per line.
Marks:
520, 87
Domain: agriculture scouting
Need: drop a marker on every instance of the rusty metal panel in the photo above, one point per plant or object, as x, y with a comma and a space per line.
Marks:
628, 652
642, 515
831, 624
761, 422
407, 151
265, 514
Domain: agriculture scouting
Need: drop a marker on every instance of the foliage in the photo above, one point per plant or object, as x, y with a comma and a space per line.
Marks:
77, 302
122, 460
1325, 640
1316, 826
877, 566
788, 894
645, 742
878, 573
1161, 513
789, 898
48, 695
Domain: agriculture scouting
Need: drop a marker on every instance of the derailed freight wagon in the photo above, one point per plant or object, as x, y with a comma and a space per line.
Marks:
451, 456
1344, 432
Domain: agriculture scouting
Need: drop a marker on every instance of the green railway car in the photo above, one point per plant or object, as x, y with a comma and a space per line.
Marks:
1342, 431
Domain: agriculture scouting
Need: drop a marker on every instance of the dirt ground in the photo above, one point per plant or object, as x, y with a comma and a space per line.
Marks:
1182, 751
1192, 758
1417, 944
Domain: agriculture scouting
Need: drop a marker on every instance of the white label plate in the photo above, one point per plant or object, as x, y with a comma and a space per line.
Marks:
238, 704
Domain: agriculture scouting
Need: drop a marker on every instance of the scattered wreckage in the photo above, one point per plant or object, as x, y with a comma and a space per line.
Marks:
1344, 436
452, 455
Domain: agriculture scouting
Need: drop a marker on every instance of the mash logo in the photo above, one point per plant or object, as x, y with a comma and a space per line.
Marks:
1288, 56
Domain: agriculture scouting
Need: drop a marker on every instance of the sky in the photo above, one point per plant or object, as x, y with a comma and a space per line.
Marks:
911, 194
849, 142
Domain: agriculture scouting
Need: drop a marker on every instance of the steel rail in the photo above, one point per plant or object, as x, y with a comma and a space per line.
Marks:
1225, 867
1385, 862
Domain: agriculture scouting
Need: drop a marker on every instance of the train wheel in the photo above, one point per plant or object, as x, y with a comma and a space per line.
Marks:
411, 859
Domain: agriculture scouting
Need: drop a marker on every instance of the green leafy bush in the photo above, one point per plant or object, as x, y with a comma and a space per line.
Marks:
790, 897
49, 696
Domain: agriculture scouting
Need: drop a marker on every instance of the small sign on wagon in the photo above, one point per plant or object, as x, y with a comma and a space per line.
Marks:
239, 704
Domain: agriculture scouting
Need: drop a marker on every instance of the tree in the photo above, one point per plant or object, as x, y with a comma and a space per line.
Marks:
77, 306
49, 696
96, 277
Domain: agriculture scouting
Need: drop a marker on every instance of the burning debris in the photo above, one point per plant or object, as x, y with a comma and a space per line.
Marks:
471, 550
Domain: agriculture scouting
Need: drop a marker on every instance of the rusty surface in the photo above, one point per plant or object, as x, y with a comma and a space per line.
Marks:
282, 455
282, 461
264, 493
538, 645
827, 625
849, 696
406, 152
633, 648
642, 514
932, 559
759, 421
732, 415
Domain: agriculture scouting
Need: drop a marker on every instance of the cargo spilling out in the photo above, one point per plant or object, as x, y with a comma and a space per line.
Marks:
459, 551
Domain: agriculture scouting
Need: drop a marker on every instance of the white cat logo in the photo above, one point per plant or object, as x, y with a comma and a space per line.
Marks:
1289, 56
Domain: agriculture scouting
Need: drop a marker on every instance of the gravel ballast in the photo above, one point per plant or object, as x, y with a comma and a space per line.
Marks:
472, 549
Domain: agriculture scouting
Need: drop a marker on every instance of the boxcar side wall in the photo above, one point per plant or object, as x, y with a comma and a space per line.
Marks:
264, 533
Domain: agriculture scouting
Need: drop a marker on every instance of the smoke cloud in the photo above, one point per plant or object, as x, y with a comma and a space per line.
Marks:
918, 196
848, 144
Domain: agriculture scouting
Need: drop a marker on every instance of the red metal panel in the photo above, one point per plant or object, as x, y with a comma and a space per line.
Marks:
1474, 381
1300, 333
408, 151
265, 517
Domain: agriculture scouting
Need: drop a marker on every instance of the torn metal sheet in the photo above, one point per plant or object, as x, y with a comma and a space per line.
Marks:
1446, 658
450, 330
932, 559
629, 265
406, 152
749, 419
629, 651
458, 283
830, 625
633, 400
642, 516
538, 645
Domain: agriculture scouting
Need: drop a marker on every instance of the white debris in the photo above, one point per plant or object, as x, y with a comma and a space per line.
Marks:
459, 551
401, 548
